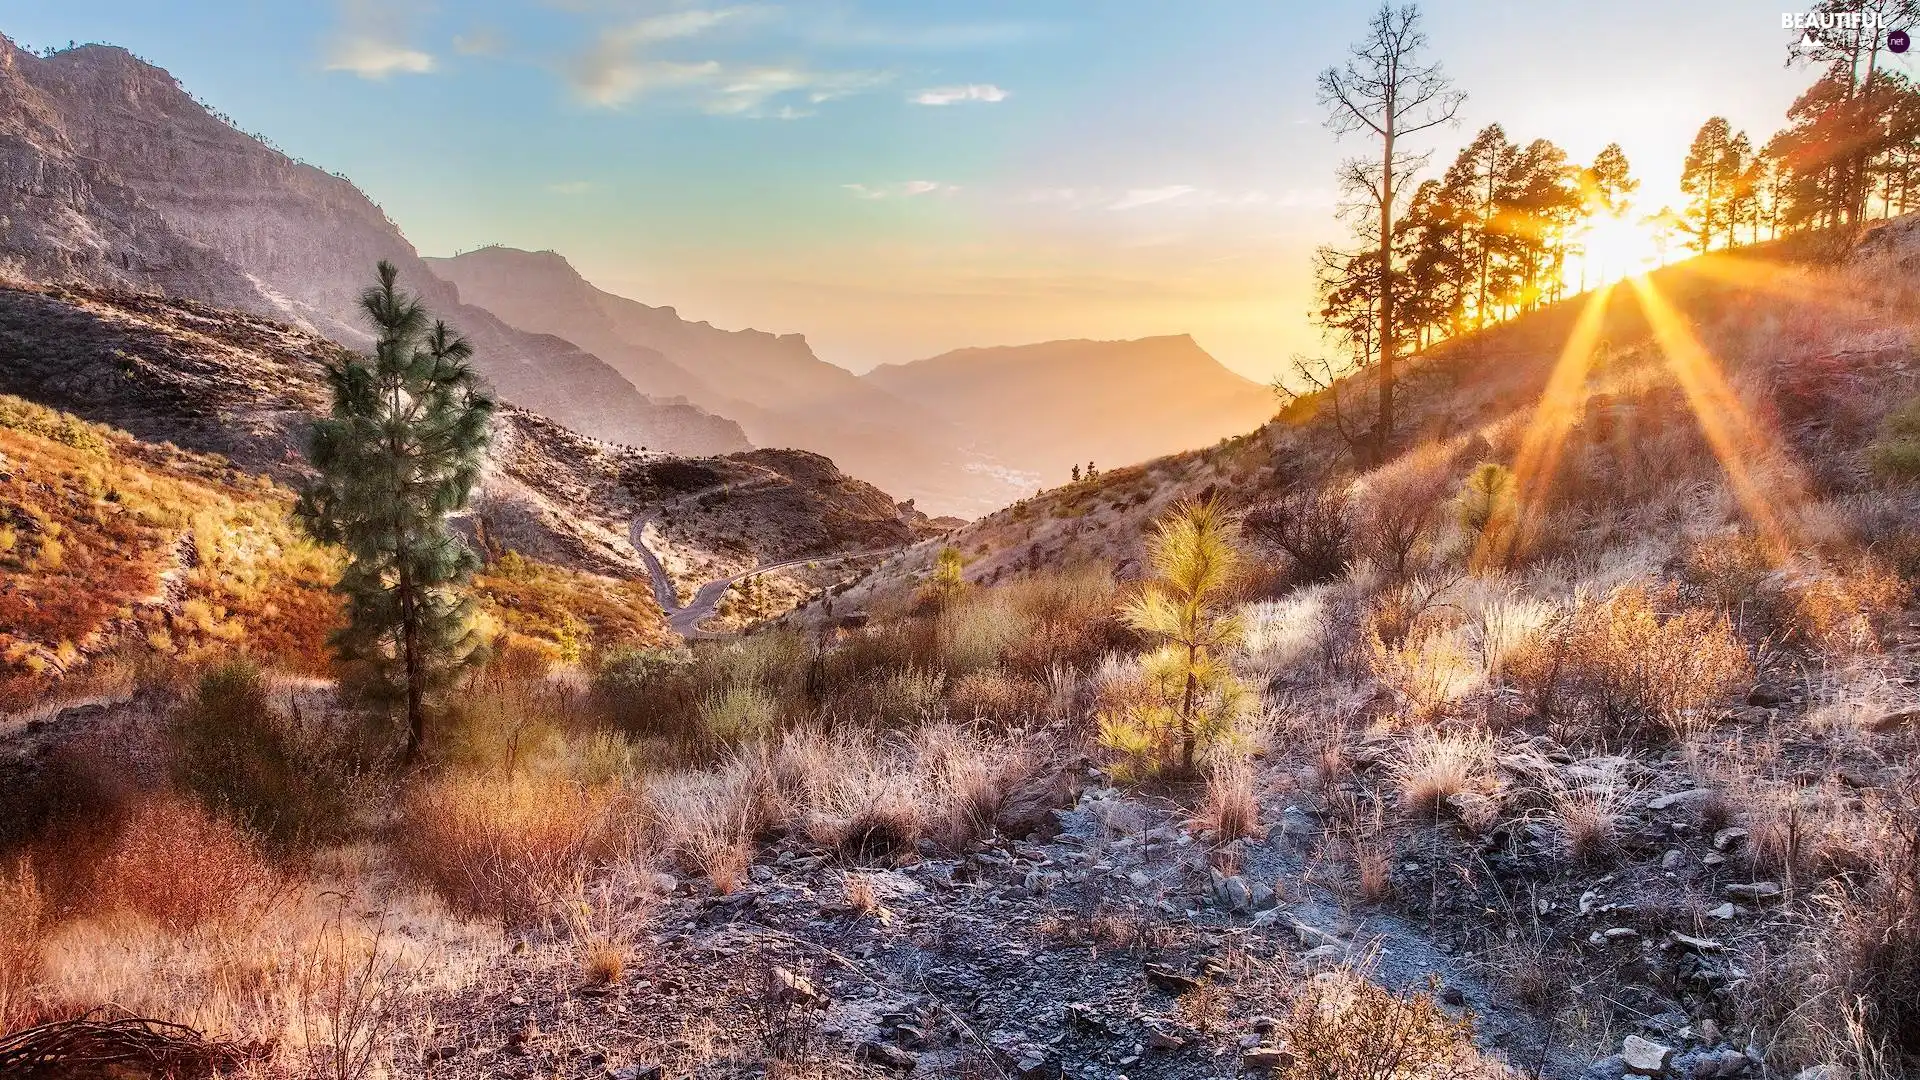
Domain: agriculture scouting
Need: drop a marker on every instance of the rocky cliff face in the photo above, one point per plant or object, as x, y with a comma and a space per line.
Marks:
114, 175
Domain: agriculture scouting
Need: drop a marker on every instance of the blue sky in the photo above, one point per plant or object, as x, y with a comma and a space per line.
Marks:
899, 177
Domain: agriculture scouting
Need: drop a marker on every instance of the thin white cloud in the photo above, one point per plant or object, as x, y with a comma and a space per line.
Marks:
1139, 197
905, 189
369, 42
950, 95
480, 41
1184, 196
572, 187
618, 69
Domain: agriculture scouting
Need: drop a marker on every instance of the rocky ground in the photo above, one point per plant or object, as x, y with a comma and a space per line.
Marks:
1117, 948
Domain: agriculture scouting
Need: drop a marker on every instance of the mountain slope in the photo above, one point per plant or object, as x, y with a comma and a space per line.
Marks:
1813, 379
111, 173
1047, 407
782, 394
216, 381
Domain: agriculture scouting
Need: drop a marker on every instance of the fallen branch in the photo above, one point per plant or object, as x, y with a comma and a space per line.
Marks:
127, 1045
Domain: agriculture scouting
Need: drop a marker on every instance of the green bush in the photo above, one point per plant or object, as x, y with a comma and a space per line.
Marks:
1896, 453
296, 783
650, 692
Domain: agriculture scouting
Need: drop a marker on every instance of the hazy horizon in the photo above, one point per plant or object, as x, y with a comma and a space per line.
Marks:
895, 184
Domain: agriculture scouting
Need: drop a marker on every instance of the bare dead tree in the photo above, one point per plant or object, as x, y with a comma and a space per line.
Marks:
1318, 377
1386, 89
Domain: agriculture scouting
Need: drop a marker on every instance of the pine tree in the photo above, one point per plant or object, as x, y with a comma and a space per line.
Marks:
1713, 167
1476, 179
1609, 181
401, 449
949, 575
1187, 606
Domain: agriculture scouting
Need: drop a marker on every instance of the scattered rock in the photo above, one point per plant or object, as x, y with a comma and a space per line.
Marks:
1892, 720
1695, 944
1680, 798
790, 989
1755, 892
1672, 859
1723, 1065
639, 1072
887, 1056
1267, 1059
1723, 912
1643, 1057
1728, 839
1170, 980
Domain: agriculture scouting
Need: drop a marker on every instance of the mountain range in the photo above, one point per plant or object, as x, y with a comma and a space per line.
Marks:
113, 175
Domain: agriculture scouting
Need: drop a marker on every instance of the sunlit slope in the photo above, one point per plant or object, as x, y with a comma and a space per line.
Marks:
1756, 367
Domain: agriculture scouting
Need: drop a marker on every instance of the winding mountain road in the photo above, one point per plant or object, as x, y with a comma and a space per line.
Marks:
687, 619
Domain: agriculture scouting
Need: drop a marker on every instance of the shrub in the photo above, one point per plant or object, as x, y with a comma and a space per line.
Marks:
1314, 526
1842, 611
1896, 453
1624, 665
999, 697
740, 712
1347, 1027
1399, 517
507, 847
294, 785
649, 691
1878, 960
976, 635
179, 865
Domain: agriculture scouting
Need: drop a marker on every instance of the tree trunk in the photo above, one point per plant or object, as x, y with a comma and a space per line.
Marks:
410, 635
1188, 737
1384, 431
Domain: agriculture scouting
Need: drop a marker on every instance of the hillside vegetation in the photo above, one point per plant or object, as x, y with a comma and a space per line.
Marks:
1613, 743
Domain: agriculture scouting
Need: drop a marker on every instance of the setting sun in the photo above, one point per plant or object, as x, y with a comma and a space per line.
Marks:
1613, 247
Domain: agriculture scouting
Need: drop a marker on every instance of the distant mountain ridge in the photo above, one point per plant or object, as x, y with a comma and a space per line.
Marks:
1050, 406
111, 174
773, 384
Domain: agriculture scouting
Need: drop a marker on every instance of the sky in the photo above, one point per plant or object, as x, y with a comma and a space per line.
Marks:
896, 178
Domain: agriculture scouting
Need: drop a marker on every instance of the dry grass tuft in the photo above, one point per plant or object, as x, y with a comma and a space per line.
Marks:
1589, 818
1436, 767
1373, 871
507, 847
1231, 810
861, 898
23, 918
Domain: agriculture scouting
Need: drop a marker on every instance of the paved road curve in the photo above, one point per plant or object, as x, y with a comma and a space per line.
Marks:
686, 620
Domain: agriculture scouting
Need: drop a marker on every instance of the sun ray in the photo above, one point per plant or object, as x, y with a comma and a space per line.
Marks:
1735, 439
1767, 278
1559, 406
